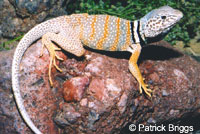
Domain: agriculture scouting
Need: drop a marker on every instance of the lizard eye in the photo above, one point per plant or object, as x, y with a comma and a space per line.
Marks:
163, 17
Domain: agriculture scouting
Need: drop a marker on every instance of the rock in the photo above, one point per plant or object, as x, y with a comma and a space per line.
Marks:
104, 90
151, 121
105, 96
27, 8
164, 93
154, 77
19, 16
9, 116
68, 116
74, 88
122, 103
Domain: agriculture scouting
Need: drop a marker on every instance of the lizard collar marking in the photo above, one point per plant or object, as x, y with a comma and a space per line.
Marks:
137, 37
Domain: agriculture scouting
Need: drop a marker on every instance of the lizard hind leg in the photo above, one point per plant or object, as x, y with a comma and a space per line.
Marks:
53, 56
69, 43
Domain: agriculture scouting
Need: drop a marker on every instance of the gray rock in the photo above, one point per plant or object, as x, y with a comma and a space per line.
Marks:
19, 16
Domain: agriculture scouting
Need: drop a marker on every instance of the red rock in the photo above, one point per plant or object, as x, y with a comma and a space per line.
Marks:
154, 76
94, 65
84, 102
111, 99
74, 88
105, 90
96, 88
122, 103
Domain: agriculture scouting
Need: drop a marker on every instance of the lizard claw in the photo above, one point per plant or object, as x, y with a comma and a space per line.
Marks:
59, 58
54, 63
53, 56
146, 90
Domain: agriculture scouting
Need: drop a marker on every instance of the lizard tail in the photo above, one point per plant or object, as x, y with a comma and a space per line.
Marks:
26, 41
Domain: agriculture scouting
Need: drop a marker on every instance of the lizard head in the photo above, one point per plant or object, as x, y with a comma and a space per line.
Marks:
159, 21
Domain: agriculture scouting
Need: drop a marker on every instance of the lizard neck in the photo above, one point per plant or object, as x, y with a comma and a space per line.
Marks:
137, 32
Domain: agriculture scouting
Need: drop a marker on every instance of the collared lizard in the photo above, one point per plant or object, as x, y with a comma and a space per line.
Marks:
102, 32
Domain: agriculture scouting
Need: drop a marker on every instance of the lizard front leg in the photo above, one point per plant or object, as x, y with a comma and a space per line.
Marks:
134, 69
70, 43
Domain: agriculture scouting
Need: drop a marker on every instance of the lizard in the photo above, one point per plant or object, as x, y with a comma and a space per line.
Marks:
101, 32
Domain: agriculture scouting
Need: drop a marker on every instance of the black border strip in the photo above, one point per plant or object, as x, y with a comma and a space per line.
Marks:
132, 32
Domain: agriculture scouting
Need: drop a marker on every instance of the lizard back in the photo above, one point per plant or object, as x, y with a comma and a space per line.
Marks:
103, 32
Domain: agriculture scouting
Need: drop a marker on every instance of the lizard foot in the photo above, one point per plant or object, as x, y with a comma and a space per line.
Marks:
53, 56
144, 87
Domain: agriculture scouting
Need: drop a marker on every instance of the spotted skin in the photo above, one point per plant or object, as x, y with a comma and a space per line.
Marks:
106, 32
101, 32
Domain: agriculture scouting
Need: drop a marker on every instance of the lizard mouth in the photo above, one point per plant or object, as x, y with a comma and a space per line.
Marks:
167, 29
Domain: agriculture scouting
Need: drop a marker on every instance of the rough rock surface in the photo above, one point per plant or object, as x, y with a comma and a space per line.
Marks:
18, 16
104, 96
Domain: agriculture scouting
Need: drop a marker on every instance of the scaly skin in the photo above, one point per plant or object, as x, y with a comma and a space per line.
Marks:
101, 32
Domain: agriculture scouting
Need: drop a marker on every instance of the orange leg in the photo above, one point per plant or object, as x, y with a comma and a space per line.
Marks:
134, 69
